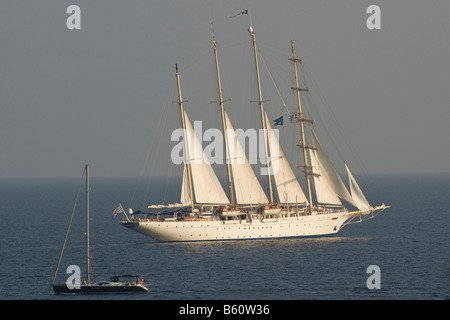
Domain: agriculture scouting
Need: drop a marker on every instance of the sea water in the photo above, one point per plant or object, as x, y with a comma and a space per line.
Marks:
408, 242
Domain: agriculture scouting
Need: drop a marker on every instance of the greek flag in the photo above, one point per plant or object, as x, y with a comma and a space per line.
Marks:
293, 118
278, 121
238, 14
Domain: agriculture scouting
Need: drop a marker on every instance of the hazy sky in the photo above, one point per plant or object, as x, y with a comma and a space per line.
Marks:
95, 95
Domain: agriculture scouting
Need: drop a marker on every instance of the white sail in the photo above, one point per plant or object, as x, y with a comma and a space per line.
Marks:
207, 187
357, 194
247, 188
324, 190
288, 188
330, 172
185, 198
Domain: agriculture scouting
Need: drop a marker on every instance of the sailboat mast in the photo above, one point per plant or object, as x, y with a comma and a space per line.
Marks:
219, 87
88, 258
303, 145
261, 106
183, 125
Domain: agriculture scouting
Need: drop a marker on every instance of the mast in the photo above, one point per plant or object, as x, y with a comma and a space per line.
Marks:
307, 168
261, 106
88, 258
221, 101
183, 125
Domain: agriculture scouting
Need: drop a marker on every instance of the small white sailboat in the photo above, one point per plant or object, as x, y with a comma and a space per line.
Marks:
248, 212
116, 284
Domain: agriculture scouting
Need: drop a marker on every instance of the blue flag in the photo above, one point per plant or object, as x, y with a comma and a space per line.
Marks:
278, 122
238, 14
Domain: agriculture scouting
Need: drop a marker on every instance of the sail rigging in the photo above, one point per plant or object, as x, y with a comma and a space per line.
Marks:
222, 111
206, 185
261, 107
288, 187
325, 193
246, 185
87, 286
199, 177
185, 198
357, 194
301, 119
330, 173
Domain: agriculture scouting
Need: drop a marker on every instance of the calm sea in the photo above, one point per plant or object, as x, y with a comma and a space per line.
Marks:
408, 242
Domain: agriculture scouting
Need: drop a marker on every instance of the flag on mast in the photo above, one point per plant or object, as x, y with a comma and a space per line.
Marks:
118, 210
238, 14
293, 118
278, 121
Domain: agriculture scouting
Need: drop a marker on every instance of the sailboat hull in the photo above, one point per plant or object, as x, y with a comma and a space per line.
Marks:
99, 289
318, 225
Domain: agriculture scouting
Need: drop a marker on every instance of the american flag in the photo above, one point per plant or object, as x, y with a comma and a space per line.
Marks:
118, 210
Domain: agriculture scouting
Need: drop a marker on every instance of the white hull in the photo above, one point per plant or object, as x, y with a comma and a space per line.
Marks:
215, 230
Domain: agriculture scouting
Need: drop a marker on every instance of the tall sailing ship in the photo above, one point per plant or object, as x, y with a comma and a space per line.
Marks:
206, 213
